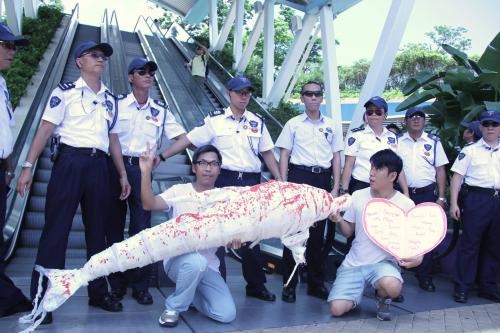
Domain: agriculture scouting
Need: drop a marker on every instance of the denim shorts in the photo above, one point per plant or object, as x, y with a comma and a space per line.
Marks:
351, 281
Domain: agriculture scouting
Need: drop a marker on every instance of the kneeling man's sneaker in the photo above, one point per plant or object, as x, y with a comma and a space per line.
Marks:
169, 318
384, 308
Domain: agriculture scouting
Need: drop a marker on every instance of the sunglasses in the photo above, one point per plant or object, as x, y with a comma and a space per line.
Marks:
243, 93
143, 72
374, 112
96, 56
312, 93
490, 124
204, 164
8, 45
416, 117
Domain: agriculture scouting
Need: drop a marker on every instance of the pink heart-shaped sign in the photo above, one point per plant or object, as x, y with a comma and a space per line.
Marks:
404, 234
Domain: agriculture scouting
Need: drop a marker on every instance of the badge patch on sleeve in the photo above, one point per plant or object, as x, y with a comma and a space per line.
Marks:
427, 147
54, 101
109, 106
461, 156
350, 141
391, 140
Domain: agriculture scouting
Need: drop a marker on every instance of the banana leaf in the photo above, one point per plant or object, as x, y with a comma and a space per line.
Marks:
457, 55
491, 58
420, 80
492, 105
417, 98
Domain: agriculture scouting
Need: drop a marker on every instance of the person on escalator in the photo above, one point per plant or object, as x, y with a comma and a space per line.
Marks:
82, 114
12, 299
198, 65
141, 120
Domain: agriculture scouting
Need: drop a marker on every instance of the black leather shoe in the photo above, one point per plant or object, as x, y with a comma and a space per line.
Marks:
288, 295
399, 299
262, 294
47, 320
118, 293
23, 306
319, 292
460, 297
107, 303
492, 296
143, 297
427, 285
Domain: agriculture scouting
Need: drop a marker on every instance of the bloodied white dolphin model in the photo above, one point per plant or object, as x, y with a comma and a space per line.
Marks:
273, 209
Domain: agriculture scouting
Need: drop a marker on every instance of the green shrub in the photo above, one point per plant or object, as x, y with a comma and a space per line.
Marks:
39, 31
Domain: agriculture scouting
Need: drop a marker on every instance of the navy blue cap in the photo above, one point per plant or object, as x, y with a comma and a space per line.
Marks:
490, 115
414, 109
6, 35
473, 126
141, 63
239, 82
91, 45
378, 101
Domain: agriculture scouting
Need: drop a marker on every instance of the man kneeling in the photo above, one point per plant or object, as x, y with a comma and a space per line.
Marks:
366, 262
196, 274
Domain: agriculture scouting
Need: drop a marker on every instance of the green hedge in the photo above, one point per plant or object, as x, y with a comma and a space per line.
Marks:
39, 31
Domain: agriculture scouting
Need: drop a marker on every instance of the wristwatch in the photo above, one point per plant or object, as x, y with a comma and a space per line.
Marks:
9, 173
443, 200
27, 164
342, 191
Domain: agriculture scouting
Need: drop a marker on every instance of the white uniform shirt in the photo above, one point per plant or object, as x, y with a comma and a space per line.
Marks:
479, 164
182, 207
81, 115
363, 251
198, 66
6, 121
362, 144
137, 126
421, 158
239, 142
312, 143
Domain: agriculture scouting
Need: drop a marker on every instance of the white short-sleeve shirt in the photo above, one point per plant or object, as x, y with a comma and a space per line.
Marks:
136, 126
181, 207
6, 121
82, 117
362, 143
479, 163
239, 142
312, 143
421, 158
363, 251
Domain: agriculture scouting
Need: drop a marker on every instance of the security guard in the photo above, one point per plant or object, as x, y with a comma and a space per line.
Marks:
424, 163
472, 132
479, 249
240, 136
81, 114
141, 120
310, 154
362, 143
12, 299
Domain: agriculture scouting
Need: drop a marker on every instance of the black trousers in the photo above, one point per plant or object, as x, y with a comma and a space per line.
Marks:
77, 178
140, 219
315, 249
251, 258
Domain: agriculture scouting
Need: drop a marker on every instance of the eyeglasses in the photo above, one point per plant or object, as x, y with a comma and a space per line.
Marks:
8, 45
312, 93
95, 55
143, 72
204, 164
243, 93
416, 117
374, 112
490, 124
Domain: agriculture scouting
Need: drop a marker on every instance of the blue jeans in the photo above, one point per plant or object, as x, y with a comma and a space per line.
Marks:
196, 284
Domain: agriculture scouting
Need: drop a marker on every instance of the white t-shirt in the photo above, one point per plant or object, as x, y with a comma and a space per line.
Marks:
363, 250
179, 208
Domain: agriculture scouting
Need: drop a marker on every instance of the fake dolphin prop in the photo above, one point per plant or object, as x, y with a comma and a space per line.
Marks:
273, 209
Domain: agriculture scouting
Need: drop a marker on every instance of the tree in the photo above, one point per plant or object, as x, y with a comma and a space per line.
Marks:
453, 36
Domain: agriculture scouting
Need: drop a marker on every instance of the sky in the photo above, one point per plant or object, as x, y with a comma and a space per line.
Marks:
357, 29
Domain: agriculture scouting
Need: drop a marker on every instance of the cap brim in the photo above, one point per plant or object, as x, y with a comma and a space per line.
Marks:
18, 41
104, 47
151, 65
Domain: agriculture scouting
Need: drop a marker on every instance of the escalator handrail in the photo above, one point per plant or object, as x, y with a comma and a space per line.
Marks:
16, 205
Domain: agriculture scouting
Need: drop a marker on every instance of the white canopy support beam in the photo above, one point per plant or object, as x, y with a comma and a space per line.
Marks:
213, 25
330, 70
268, 53
31, 7
14, 14
385, 53
226, 28
238, 32
292, 59
242, 64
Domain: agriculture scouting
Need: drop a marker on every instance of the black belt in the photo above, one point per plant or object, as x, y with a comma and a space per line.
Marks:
313, 169
419, 190
489, 191
240, 175
131, 160
94, 152
3, 164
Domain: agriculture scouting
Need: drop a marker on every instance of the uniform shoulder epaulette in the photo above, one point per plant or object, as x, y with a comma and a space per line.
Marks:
121, 96
470, 143
434, 137
160, 102
66, 85
357, 129
400, 135
216, 112
110, 93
